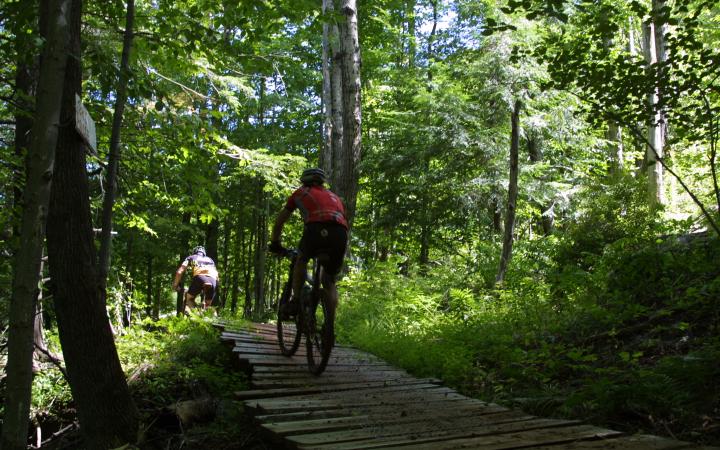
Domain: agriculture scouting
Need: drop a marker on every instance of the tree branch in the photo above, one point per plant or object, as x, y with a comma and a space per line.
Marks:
53, 359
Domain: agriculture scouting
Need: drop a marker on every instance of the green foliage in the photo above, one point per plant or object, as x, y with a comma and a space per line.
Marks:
187, 360
608, 214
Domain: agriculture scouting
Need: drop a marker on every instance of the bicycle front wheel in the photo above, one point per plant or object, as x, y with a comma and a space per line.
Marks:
288, 329
319, 333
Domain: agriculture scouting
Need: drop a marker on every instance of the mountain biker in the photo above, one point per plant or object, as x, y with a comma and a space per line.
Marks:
326, 231
204, 278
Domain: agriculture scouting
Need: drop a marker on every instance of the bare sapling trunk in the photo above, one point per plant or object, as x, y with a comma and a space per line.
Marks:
36, 197
114, 154
512, 195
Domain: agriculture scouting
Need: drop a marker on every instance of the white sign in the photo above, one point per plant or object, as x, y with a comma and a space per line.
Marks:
84, 124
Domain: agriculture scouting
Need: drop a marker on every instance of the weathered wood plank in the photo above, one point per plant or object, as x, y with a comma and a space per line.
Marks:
378, 395
368, 425
634, 442
359, 372
478, 439
281, 392
259, 383
392, 410
422, 431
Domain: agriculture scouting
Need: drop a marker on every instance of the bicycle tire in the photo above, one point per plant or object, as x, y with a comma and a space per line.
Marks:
289, 331
319, 333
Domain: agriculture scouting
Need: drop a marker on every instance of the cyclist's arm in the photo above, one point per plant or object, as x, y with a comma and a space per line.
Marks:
282, 217
178, 276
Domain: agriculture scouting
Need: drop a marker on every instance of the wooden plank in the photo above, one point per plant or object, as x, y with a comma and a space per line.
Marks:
355, 373
279, 360
248, 348
281, 392
329, 380
634, 442
477, 439
385, 396
427, 431
378, 395
423, 422
392, 410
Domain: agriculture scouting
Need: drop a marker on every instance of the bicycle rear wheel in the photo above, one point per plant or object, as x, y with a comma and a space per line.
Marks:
319, 333
288, 329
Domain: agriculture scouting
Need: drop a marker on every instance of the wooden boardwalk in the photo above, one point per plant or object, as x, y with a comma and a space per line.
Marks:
361, 402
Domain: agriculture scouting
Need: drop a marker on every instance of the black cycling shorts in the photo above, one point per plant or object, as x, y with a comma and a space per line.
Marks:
328, 238
196, 286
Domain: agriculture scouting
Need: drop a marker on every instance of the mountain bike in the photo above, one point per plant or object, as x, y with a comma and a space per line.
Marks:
312, 318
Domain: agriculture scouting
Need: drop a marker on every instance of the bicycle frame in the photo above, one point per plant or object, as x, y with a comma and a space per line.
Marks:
319, 335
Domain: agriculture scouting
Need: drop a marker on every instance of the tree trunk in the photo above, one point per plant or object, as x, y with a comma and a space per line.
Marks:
36, 197
412, 25
260, 250
347, 169
547, 211
114, 153
148, 286
512, 195
325, 159
249, 256
655, 145
227, 245
615, 149
106, 412
184, 244
212, 232
26, 80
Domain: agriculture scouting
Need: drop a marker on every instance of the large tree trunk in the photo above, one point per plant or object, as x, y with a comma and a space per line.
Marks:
106, 412
36, 197
26, 80
114, 153
347, 176
332, 93
512, 195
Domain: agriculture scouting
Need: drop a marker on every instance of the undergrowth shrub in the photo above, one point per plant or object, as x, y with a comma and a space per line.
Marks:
177, 358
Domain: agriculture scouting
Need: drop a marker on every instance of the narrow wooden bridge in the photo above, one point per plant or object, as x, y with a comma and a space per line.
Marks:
361, 402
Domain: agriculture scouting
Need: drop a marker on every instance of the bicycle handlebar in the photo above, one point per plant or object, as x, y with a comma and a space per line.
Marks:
289, 253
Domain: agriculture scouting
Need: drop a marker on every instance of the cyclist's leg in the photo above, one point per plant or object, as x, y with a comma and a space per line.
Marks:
331, 293
306, 250
195, 288
335, 243
208, 295
298, 275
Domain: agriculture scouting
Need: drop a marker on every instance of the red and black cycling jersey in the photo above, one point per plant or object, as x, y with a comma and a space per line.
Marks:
317, 204
201, 265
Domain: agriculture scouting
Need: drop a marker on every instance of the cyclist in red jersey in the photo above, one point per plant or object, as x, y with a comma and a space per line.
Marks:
326, 231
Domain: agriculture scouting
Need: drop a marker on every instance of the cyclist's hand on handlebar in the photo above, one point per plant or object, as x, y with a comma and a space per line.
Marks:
276, 248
